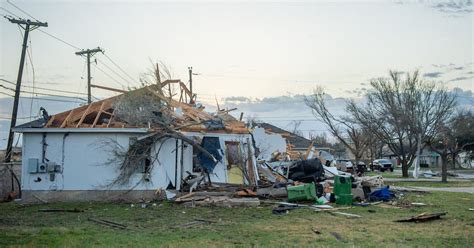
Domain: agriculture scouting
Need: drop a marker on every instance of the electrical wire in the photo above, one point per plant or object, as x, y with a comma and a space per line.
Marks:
43, 94
48, 89
77, 48
59, 39
18, 8
118, 75
108, 75
30, 57
19, 118
9, 12
40, 98
120, 68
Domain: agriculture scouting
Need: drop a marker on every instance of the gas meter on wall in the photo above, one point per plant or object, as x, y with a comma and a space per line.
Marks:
34, 166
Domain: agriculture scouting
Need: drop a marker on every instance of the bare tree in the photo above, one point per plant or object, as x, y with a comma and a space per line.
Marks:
296, 127
320, 139
399, 111
452, 137
344, 129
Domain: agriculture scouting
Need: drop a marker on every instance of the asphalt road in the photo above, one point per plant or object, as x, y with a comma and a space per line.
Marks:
448, 189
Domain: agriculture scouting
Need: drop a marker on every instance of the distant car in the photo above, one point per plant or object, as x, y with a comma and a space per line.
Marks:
361, 167
344, 165
382, 165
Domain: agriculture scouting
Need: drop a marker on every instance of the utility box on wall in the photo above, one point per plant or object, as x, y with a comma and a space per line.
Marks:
33, 165
42, 168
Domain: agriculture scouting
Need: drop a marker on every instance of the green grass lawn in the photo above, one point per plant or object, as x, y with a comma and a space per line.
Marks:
433, 184
383, 174
24, 226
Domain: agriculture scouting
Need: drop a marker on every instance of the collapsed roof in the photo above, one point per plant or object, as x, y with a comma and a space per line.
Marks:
127, 111
294, 140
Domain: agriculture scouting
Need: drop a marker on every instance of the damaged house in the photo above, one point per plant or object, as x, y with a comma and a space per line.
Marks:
131, 145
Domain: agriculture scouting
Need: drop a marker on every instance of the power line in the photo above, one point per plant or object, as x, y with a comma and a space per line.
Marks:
59, 39
43, 94
120, 68
116, 73
9, 12
24, 12
40, 98
8, 118
30, 57
41, 88
108, 75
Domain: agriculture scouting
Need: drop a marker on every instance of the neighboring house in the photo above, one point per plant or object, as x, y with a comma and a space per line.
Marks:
428, 158
73, 155
296, 142
296, 145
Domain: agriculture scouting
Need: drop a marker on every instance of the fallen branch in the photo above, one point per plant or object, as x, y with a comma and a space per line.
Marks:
48, 210
108, 223
423, 217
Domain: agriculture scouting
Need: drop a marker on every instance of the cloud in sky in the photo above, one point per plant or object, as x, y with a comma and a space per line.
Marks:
436, 74
454, 6
460, 78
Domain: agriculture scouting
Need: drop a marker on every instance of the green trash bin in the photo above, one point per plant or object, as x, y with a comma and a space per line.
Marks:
344, 199
342, 185
343, 190
304, 192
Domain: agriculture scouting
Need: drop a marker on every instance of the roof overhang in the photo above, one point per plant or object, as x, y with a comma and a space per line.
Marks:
81, 130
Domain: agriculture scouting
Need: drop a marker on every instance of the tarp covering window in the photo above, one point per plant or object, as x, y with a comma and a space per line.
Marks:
212, 145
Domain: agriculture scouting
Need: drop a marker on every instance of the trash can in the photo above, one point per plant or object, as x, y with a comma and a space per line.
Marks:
343, 190
342, 185
344, 199
304, 192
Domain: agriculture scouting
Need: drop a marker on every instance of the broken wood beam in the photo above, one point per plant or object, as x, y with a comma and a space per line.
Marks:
54, 210
108, 223
423, 217
107, 88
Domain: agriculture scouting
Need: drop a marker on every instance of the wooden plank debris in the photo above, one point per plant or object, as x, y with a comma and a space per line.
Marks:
423, 217
56, 210
108, 223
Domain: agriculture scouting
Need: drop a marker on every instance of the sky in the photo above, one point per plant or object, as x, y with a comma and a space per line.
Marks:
259, 56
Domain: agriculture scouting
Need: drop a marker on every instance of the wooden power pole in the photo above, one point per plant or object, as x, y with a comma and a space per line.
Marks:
88, 54
28, 26
191, 81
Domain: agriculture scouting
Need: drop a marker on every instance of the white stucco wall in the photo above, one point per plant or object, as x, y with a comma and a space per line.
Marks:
268, 143
83, 159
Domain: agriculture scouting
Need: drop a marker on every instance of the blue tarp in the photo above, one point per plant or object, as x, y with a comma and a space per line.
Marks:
382, 194
212, 145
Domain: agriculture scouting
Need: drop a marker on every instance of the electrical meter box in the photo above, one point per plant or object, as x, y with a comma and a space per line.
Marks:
32, 165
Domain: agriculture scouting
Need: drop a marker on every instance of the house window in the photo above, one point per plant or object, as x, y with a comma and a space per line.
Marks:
143, 156
145, 165
212, 146
233, 153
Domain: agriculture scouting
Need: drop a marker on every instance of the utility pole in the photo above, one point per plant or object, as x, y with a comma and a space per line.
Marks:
88, 54
28, 26
191, 84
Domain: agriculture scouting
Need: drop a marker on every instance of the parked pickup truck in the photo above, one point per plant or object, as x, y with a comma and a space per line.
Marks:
382, 165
